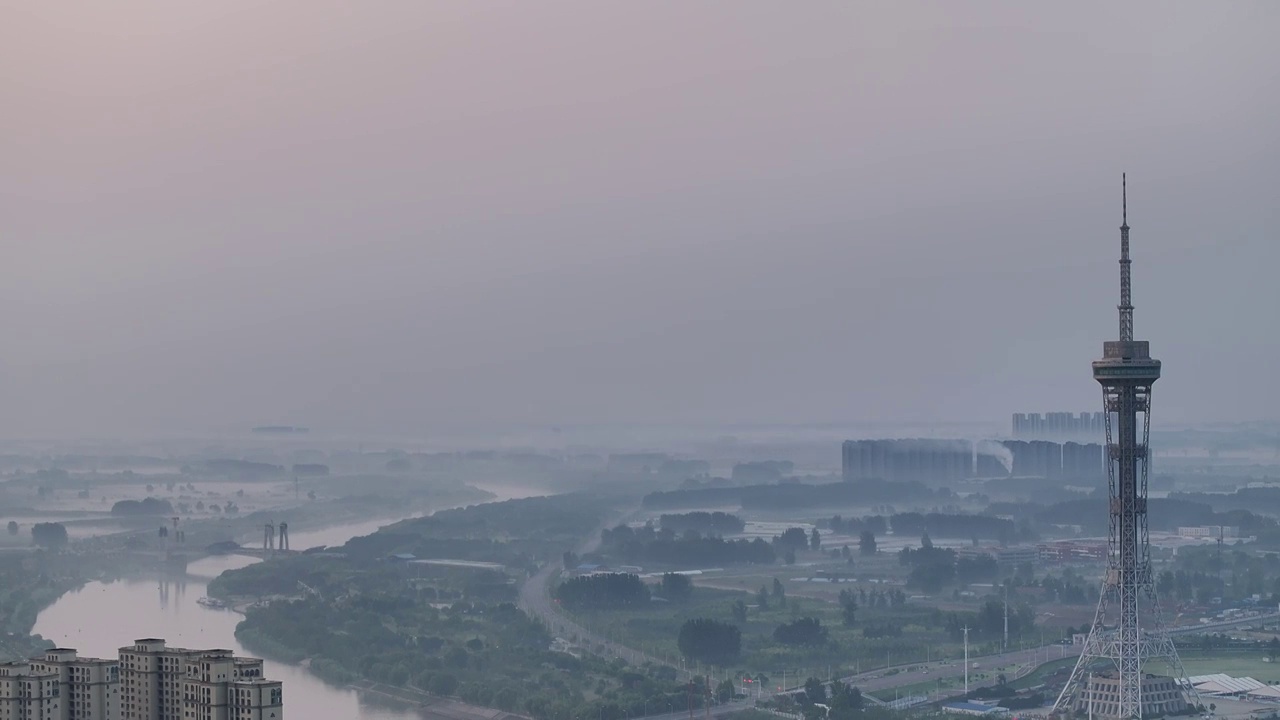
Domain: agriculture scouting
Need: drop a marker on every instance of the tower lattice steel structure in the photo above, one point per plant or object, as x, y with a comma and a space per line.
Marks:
1126, 372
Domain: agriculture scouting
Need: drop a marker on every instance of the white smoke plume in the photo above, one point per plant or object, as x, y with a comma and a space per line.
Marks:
996, 450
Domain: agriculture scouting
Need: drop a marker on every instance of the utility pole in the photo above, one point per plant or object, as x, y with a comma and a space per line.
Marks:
966, 662
1089, 693
1005, 646
706, 705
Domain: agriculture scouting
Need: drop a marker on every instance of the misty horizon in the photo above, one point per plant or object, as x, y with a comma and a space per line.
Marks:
412, 217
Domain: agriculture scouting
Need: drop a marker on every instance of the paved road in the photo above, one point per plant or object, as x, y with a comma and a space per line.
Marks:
535, 599
1024, 660
716, 710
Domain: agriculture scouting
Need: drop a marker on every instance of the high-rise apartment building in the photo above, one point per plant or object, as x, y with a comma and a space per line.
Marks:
151, 677
1089, 426
89, 688
220, 686
158, 682
924, 460
28, 695
936, 460
150, 681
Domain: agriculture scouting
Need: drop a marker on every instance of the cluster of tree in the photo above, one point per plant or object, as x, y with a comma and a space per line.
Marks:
380, 545
556, 516
803, 631
1068, 487
988, 622
848, 607
705, 523
645, 545
1196, 586
877, 524
796, 539
843, 702
310, 469
148, 506
1023, 702
876, 598
710, 641
606, 590
762, 471
982, 568
794, 495
489, 531
480, 653
1069, 589
262, 579
882, 630
1180, 509
676, 587
49, 534
1006, 696
1249, 499
948, 525
839, 494
239, 468
1205, 572
764, 597
933, 568
26, 588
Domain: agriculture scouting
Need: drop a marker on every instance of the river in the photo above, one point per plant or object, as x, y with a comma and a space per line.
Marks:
100, 618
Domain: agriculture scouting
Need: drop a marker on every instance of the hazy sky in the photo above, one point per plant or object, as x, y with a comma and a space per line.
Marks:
386, 215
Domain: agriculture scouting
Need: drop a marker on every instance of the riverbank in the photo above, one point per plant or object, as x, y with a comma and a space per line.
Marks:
166, 606
443, 630
34, 579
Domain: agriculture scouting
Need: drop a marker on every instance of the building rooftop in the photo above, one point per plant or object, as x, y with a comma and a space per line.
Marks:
1223, 684
974, 707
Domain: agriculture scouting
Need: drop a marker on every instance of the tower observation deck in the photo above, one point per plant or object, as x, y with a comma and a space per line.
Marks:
1124, 688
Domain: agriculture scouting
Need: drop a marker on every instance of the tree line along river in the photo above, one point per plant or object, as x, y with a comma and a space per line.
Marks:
100, 618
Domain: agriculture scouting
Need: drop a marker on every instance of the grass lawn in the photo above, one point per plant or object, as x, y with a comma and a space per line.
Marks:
977, 678
923, 687
1235, 664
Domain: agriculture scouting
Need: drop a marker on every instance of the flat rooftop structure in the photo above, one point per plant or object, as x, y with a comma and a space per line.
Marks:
973, 708
1223, 684
473, 564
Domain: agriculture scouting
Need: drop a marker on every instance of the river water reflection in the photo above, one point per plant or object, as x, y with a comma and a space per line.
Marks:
100, 618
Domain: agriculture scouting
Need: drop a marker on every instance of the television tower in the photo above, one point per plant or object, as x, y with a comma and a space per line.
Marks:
1126, 372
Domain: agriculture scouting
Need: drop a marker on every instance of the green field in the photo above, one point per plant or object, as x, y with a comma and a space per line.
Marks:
1235, 664
655, 627
977, 678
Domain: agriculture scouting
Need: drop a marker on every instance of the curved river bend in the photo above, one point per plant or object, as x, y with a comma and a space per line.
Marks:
100, 618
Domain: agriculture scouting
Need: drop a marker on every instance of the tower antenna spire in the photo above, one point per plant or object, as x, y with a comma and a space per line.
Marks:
1126, 287
1124, 199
